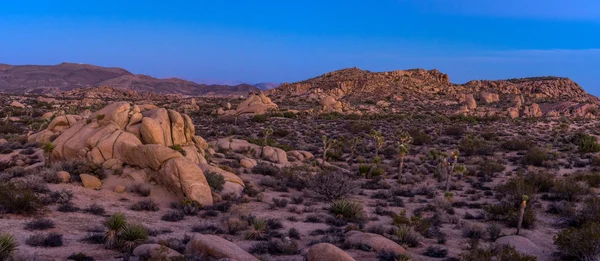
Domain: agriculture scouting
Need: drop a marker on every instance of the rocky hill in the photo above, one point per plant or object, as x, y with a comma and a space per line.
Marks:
69, 76
356, 83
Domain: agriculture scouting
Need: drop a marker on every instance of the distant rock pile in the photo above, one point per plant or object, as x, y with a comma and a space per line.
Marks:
255, 104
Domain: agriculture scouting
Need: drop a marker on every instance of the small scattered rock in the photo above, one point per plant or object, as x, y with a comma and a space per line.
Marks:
90, 181
120, 189
63, 176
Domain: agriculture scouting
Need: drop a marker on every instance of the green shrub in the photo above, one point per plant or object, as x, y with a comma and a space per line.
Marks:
579, 243
585, 142
569, 189
114, 225
216, 181
132, 236
407, 237
18, 199
536, 156
8, 245
178, 148
517, 144
289, 115
471, 145
348, 210
259, 118
592, 179
419, 137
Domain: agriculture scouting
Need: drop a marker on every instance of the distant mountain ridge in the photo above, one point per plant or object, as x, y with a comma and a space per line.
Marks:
69, 76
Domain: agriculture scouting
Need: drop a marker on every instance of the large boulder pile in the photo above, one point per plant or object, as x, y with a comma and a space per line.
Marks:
161, 142
255, 104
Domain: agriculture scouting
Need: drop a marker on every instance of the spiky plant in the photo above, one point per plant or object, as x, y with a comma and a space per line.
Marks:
114, 224
404, 141
132, 236
259, 227
522, 212
327, 144
348, 210
8, 245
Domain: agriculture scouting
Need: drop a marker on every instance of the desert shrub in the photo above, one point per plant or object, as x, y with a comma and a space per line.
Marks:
10, 128
569, 189
215, 180
289, 115
489, 168
509, 213
542, 181
40, 224
275, 247
357, 127
142, 189
503, 253
436, 251
472, 145
494, 231
348, 210
8, 245
80, 257
145, 205
392, 256
266, 169
209, 229
280, 202
45, 240
67, 208
18, 200
132, 236
259, 118
94, 238
579, 243
589, 212
591, 178
536, 156
95, 209
455, 130
331, 185
419, 137
173, 216
258, 228
585, 142
293, 234
514, 189
187, 206
517, 144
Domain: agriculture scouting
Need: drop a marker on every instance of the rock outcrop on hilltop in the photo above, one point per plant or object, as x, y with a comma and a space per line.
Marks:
160, 141
419, 90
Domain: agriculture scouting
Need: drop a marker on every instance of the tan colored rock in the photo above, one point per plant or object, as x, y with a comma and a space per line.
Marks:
63, 122
63, 176
115, 113
488, 97
41, 137
150, 155
120, 189
139, 175
47, 115
189, 129
90, 181
275, 155
217, 248
517, 101
377, 242
330, 104
248, 163
177, 128
113, 164
470, 102
300, 155
200, 143
513, 112
327, 252
2, 141
532, 111
17, 104
151, 132
161, 116
182, 175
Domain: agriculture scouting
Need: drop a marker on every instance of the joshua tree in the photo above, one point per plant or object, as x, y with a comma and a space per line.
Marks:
404, 141
327, 144
267, 132
449, 167
522, 212
378, 141
353, 146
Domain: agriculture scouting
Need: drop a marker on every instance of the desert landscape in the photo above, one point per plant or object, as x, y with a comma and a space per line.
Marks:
100, 164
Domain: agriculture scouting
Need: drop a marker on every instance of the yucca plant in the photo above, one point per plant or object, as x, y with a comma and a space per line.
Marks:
259, 227
115, 224
348, 210
8, 245
132, 236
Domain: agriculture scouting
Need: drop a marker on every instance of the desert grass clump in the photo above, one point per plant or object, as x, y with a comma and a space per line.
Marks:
436, 251
392, 256
350, 211
8, 245
80, 257
215, 180
405, 236
266, 169
275, 247
504, 252
258, 227
114, 225
45, 240
40, 224
132, 236
95, 209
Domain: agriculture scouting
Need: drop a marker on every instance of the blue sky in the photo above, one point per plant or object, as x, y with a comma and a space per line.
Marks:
286, 41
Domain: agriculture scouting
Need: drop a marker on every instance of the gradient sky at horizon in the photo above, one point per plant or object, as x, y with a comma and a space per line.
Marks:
287, 41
